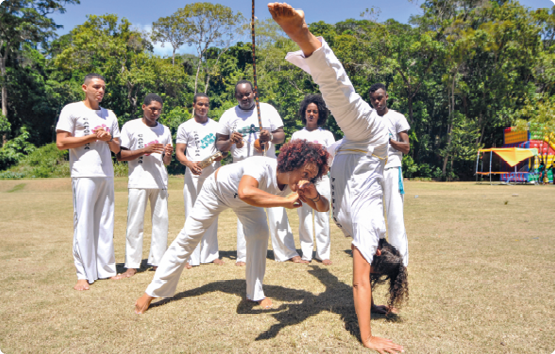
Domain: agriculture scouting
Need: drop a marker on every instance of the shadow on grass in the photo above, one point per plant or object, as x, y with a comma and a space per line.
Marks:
298, 305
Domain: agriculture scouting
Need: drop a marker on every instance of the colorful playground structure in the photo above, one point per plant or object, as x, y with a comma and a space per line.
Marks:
527, 156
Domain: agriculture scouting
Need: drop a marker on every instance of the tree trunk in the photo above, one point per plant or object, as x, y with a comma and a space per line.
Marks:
449, 126
4, 93
198, 71
173, 57
410, 110
207, 82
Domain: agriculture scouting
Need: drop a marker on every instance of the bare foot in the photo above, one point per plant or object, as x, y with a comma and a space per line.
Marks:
265, 303
218, 261
383, 309
240, 264
143, 303
154, 268
298, 259
188, 266
382, 345
326, 262
128, 274
82, 284
291, 20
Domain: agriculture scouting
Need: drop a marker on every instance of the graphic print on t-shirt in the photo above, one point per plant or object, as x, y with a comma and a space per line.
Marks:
151, 143
201, 144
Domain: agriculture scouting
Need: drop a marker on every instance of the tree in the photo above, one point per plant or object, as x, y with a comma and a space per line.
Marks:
209, 25
173, 29
24, 21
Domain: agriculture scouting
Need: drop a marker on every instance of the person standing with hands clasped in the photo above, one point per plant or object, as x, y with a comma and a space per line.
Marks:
147, 145
90, 132
314, 114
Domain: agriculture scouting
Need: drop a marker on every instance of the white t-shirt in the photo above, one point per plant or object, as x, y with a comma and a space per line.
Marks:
319, 136
246, 123
92, 159
396, 123
263, 169
200, 139
147, 171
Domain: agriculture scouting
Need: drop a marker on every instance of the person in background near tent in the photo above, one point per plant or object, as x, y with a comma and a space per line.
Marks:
314, 114
541, 170
90, 132
238, 130
196, 137
357, 168
147, 146
393, 190
246, 187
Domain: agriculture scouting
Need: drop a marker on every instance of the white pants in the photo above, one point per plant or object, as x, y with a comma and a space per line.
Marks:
136, 207
321, 226
357, 199
210, 203
207, 250
283, 242
93, 225
393, 201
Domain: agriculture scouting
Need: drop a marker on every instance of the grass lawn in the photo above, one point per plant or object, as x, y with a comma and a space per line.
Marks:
482, 280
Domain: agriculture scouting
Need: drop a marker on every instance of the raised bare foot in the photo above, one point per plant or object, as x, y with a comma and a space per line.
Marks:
326, 262
290, 20
265, 303
383, 309
298, 259
218, 261
143, 303
240, 264
188, 266
127, 274
82, 284
382, 345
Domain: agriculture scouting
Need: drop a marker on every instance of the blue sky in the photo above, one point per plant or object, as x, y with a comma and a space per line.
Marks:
142, 13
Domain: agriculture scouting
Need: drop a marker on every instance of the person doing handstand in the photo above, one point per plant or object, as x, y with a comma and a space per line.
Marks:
357, 169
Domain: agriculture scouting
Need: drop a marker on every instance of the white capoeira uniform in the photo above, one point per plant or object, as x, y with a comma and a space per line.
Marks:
393, 186
321, 223
92, 175
218, 194
357, 169
246, 122
148, 182
200, 140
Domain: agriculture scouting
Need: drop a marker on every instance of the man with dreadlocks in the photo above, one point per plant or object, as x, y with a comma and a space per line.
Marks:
246, 187
357, 169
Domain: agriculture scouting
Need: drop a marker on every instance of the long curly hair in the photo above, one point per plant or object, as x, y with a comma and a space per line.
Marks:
322, 109
297, 153
389, 266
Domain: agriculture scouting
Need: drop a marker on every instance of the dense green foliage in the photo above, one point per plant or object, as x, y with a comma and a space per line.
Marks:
460, 72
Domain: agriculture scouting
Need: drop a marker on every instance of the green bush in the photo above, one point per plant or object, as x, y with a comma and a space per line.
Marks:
44, 162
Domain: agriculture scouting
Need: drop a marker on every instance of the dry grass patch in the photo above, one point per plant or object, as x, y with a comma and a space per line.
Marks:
482, 280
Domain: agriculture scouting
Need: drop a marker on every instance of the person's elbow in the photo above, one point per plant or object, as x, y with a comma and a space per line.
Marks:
60, 145
406, 149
